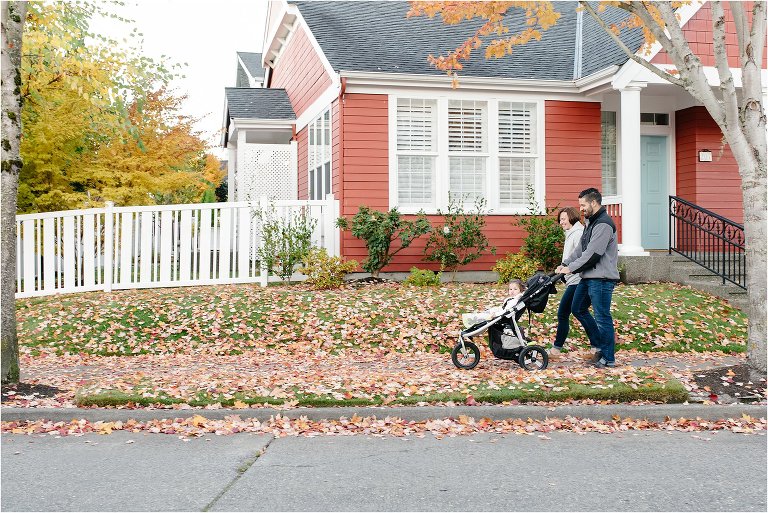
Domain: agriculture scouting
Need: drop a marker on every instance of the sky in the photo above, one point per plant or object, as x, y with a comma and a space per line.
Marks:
203, 34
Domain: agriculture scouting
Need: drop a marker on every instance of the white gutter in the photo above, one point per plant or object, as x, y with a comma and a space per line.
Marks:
366, 78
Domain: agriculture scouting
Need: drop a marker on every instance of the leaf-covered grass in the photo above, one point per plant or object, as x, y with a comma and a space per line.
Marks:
227, 320
606, 387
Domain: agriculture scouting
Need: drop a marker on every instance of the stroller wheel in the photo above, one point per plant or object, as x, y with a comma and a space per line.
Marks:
533, 358
466, 361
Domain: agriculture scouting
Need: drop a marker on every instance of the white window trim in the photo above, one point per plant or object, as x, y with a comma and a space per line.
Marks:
329, 160
442, 173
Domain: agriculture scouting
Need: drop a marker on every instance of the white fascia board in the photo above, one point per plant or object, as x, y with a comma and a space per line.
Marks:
371, 80
253, 123
240, 124
245, 68
224, 122
596, 80
713, 78
273, 47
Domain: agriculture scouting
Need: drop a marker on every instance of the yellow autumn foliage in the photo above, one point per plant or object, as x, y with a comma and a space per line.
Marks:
99, 123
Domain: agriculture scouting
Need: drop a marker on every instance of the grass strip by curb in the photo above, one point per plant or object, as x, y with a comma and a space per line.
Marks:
671, 391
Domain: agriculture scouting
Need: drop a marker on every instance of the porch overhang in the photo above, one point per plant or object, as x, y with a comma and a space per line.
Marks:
259, 131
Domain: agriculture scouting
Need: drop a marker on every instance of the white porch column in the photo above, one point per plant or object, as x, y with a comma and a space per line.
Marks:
239, 164
631, 185
231, 174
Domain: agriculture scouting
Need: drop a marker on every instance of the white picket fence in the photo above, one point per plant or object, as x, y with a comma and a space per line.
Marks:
153, 246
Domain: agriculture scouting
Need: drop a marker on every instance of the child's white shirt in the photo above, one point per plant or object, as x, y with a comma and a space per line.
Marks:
470, 319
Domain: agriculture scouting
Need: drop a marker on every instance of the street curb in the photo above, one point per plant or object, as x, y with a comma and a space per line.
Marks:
654, 412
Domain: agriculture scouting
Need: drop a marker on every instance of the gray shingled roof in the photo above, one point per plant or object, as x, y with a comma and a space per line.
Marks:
252, 62
377, 37
259, 103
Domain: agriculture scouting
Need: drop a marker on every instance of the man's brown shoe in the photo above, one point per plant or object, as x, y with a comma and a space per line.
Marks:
589, 355
595, 358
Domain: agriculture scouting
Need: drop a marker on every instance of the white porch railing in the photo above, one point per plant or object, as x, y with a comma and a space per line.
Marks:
152, 246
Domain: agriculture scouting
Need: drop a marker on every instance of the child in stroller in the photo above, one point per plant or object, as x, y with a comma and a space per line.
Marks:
514, 292
505, 336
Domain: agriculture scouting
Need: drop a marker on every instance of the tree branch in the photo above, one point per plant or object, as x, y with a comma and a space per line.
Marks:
730, 100
654, 69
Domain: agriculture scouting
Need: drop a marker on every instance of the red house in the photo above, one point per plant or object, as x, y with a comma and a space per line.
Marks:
350, 106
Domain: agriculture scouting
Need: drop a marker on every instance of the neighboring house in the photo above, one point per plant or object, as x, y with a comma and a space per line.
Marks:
348, 86
259, 126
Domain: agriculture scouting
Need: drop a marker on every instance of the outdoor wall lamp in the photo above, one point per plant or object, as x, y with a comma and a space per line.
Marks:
705, 156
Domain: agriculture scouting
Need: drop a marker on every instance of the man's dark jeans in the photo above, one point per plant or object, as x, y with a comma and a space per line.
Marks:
600, 327
567, 306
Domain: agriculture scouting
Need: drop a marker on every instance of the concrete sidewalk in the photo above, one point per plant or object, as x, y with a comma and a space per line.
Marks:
653, 412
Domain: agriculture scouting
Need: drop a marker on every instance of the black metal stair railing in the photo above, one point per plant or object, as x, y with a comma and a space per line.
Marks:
709, 239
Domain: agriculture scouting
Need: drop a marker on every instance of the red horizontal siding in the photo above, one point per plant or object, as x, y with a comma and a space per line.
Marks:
573, 159
300, 72
714, 185
572, 150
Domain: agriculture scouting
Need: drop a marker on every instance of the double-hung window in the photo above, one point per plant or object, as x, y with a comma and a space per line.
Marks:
467, 150
416, 152
319, 156
517, 152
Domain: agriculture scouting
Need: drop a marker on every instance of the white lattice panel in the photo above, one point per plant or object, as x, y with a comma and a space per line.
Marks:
266, 170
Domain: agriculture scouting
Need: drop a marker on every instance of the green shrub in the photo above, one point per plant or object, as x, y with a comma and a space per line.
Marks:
545, 236
324, 271
285, 241
423, 278
379, 230
516, 266
460, 240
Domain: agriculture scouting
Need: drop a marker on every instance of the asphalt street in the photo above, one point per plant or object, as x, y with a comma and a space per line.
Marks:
633, 471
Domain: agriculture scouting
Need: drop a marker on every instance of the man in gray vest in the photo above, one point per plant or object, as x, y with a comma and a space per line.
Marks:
595, 259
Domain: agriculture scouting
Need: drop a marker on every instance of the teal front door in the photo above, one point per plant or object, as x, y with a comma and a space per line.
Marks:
653, 194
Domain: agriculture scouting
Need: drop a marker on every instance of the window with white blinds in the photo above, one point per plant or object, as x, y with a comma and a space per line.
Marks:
319, 157
481, 149
416, 152
467, 180
415, 182
466, 126
515, 175
517, 127
416, 120
467, 135
517, 152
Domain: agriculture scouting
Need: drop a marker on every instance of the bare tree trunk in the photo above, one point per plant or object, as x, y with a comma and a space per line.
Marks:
755, 219
13, 15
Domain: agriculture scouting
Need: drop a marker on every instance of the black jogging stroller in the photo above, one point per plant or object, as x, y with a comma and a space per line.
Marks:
506, 338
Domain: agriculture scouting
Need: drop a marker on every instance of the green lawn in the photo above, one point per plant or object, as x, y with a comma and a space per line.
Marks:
234, 319
656, 387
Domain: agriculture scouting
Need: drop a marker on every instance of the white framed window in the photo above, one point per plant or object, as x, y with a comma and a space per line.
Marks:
608, 150
468, 148
416, 151
319, 156
517, 152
